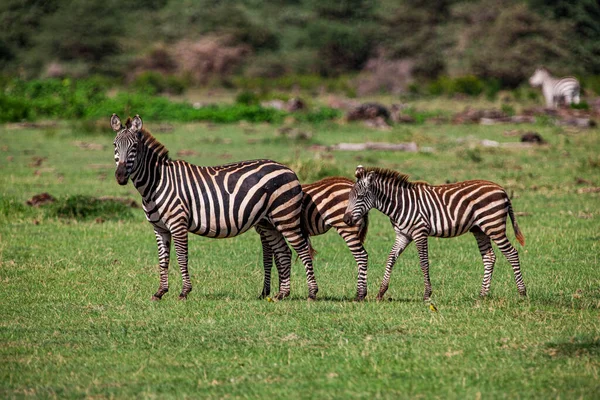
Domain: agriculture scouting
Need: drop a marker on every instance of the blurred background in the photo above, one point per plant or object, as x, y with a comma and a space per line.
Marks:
252, 48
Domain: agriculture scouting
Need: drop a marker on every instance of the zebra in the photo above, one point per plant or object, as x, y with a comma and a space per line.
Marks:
554, 89
323, 207
217, 202
418, 210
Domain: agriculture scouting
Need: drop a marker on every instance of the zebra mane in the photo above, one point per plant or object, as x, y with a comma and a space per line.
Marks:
395, 176
152, 143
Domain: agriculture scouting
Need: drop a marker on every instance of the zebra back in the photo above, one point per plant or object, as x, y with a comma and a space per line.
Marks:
324, 204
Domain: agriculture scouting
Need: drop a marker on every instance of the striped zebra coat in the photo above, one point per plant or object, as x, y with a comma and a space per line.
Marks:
556, 90
216, 202
418, 210
323, 207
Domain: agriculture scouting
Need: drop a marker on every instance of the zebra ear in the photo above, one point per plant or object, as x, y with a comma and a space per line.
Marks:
136, 124
360, 171
115, 123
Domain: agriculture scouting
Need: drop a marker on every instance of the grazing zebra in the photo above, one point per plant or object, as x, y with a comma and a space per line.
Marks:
554, 89
217, 202
323, 207
418, 210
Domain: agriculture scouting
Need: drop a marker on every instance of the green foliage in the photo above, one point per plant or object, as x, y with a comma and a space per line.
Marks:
583, 105
508, 110
247, 98
469, 85
86, 99
583, 16
152, 82
592, 83
508, 41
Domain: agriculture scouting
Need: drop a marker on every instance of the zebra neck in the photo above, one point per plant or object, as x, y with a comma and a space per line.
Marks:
388, 195
148, 169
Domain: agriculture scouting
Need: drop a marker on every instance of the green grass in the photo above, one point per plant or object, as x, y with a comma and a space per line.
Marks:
76, 320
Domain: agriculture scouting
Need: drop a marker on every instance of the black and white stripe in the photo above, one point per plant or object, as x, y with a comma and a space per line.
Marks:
217, 202
323, 207
418, 210
556, 90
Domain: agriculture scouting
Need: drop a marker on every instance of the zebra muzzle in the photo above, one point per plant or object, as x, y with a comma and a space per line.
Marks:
121, 174
348, 219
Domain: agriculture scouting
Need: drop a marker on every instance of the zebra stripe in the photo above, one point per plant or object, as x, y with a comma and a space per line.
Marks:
216, 202
323, 207
418, 210
556, 90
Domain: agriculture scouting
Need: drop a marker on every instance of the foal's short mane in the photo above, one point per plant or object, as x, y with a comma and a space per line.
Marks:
397, 177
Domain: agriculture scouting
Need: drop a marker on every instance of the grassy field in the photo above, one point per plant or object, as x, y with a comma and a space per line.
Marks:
76, 320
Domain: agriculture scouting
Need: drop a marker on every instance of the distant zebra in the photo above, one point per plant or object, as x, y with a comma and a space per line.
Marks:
217, 202
323, 207
556, 90
418, 210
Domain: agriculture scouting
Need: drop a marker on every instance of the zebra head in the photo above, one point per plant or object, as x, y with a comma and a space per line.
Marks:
538, 77
126, 144
361, 198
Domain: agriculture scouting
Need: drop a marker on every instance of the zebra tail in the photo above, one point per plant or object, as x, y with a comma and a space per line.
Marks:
364, 228
518, 233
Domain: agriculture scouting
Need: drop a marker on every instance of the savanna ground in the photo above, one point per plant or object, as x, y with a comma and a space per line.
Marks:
77, 320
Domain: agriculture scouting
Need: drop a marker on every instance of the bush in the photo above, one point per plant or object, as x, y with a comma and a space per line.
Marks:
247, 98
469, 85
152, 82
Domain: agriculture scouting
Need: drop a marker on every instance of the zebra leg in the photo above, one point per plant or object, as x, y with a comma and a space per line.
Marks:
399, 245
267, 263
275, 242
489, 259
360, 255
283, 262
423, 251
512, 255
180, 239
163, 240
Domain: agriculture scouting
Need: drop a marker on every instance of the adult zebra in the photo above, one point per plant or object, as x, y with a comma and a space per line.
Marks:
418, 210
554, 89
323, 207
217, 202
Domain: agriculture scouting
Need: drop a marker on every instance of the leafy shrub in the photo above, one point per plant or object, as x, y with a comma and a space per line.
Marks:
591, 83
13, 109
247, 98
508, 110
152, 82
469, 85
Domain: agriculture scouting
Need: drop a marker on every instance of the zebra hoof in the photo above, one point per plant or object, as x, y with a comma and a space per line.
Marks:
280, 296
359, 299
182, 297
155, 298
523, 294
311, 299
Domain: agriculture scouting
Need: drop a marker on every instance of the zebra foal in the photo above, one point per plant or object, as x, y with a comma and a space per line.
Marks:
556, 90
418, 210
217, 202
323, 206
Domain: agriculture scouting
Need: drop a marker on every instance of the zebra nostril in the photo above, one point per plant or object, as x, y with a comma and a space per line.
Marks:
348, 219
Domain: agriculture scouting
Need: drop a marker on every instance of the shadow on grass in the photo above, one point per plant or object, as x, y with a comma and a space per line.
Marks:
574, 347
580, 300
